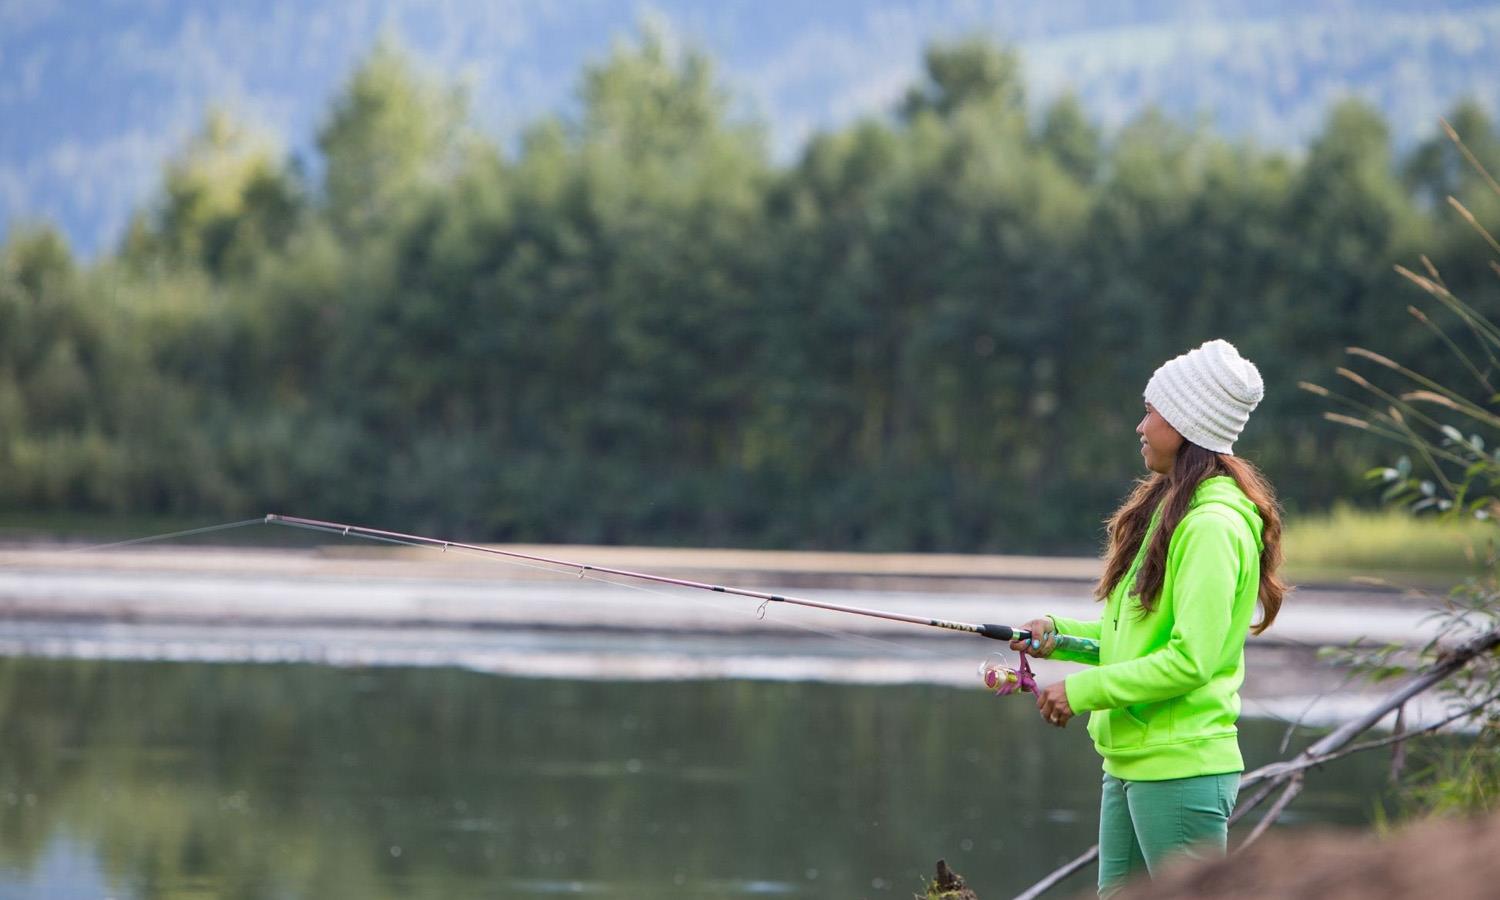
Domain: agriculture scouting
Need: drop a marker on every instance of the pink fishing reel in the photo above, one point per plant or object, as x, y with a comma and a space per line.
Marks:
1002, 678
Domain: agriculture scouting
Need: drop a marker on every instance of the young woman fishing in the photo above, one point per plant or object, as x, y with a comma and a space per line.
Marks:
1191, 550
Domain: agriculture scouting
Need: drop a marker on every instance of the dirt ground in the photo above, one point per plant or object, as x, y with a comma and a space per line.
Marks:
1450, 859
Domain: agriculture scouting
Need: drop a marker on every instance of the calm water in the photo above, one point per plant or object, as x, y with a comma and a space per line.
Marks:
130, 779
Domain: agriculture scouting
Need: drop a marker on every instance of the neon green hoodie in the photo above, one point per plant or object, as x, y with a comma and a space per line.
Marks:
1165, 696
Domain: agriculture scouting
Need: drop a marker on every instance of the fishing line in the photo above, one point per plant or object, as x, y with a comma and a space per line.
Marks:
995, 671
259, 520
992, 668
864, 640
987, 630
675, 599
993, 631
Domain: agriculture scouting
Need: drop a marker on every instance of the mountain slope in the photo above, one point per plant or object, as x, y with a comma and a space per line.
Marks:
93, 97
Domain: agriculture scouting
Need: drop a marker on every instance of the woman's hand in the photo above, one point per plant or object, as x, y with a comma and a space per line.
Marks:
1042, 642
1052, 700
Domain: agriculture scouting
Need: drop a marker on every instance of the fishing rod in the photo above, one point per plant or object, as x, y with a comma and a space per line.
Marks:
994, 675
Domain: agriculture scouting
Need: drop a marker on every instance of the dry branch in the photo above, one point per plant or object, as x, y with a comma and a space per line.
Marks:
1293, 788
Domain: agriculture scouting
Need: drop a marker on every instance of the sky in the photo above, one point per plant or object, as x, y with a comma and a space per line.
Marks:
96, 94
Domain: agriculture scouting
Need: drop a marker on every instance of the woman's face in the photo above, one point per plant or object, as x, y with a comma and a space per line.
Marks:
1159, 441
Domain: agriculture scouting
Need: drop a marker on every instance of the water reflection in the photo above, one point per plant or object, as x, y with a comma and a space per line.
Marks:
178, 780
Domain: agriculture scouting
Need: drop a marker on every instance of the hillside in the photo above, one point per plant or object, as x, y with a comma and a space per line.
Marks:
95, 96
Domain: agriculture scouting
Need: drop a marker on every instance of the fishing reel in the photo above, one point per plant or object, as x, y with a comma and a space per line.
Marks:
997, 674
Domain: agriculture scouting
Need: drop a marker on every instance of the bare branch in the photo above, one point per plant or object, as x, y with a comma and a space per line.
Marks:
1341, 736
1244, 807
1293, 788
1058, 874
1398, 758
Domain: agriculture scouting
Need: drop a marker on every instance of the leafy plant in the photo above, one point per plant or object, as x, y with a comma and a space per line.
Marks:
1452, 470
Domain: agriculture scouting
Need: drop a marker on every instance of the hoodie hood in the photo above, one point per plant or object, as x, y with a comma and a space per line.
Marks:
1225, 491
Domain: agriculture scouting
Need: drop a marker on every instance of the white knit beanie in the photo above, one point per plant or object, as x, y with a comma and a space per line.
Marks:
1207, 394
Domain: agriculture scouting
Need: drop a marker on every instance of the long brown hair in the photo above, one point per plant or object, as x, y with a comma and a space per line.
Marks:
1174, 490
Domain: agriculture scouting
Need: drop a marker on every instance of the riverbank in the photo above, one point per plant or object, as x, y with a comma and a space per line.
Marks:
402, 587
1339, 548
372, 605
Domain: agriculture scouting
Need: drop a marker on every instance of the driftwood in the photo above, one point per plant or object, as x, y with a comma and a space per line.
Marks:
1288, 774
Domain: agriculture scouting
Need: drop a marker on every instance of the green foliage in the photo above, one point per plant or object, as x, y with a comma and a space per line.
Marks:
1071, 139
228, 204
390, 134
1437, 169
1465, 776
926, 332
1451, 428
968, 72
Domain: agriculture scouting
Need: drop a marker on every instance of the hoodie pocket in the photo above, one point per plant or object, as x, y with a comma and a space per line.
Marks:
1134, 726
1126, 729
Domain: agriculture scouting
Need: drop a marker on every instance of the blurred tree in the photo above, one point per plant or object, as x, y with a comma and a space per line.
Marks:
1437, 173
36, 260
76, 381
1436, 170
970, 71
391, 133
1346, 206
1074, 141
37, 360
637, 328
228, 201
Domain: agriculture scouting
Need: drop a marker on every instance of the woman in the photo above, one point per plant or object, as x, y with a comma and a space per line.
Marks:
1192, 549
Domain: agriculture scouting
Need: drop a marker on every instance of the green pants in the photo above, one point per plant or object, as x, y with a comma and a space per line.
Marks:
1143, 823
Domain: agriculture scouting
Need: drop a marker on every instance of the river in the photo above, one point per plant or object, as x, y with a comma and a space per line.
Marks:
226, 723
133, 779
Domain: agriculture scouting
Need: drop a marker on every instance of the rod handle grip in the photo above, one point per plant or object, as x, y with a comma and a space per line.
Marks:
1082, 646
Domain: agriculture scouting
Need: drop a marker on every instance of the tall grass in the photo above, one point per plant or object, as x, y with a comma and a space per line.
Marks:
1450, 467
1348, 542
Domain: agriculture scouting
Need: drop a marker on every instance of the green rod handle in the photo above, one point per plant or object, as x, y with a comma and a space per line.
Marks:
1078, 646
